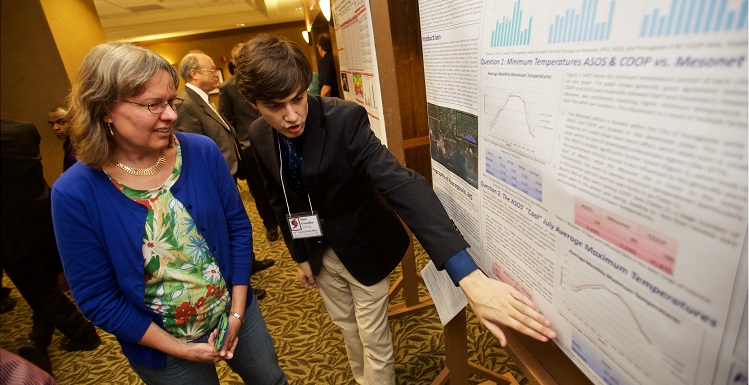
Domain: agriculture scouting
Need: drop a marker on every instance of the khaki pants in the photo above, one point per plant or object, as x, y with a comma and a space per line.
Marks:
361, 313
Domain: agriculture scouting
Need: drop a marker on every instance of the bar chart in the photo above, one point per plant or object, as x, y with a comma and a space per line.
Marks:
690, 17
590, 22
507, 31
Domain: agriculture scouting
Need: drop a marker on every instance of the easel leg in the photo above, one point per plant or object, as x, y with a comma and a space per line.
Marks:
408, 284
458, 366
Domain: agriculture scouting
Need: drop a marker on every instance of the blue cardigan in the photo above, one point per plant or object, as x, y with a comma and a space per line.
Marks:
99, 233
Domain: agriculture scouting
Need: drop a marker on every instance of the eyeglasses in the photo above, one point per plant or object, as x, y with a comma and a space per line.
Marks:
159, 107
212, 71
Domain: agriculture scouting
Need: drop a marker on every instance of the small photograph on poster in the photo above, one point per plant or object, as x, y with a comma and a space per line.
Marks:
453, 136
344, 82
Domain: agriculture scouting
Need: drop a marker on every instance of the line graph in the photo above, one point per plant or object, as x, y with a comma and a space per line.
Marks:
627, 325
596, 286
519, 111
514, 98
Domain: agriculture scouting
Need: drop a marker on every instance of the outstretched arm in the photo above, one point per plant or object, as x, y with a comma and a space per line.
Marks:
496, 303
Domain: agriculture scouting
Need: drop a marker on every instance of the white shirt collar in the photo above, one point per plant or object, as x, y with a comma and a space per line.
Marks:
199, 92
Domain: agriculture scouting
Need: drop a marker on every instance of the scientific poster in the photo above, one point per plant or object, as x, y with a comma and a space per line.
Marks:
594, 153
360, 81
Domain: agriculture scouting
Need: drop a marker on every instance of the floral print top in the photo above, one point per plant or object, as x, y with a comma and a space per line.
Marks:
183, 281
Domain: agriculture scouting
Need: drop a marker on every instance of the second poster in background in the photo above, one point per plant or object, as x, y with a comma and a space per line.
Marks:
357, 58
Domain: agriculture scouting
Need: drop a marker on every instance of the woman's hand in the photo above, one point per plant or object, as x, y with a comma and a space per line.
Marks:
157, 338
304, 272
231, 339
201, 352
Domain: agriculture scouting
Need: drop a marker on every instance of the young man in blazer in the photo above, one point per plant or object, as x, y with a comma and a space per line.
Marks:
338, 195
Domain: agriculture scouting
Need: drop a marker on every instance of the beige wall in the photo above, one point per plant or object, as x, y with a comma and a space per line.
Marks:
43, 42
75, 28
33, 76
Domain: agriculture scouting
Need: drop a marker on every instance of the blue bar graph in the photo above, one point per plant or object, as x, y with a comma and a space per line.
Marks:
687, 17
507, 32
579, 26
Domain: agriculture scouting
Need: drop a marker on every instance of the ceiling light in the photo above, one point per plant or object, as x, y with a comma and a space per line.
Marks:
240, 24
325, 8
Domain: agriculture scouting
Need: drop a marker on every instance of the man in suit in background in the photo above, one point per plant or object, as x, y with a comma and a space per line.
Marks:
197, 114
240, 114
340, 195
29, 250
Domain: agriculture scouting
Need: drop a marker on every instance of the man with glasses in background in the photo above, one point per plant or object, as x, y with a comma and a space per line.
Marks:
197, 114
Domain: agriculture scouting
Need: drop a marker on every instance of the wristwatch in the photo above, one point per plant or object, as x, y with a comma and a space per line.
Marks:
237, 316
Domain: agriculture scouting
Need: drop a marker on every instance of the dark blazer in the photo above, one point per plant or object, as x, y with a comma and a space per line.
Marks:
236, 110
356, 186
195, 115
26, 212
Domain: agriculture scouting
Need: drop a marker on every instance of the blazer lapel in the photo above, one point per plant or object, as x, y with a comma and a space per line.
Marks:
208, 109
268, 150
314, 139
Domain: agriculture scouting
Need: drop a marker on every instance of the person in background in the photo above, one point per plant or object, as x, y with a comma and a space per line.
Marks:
328, 79
340, 195
240, 114
58, 121
161, 258
197, 114
314, 86
17, 371
29, 253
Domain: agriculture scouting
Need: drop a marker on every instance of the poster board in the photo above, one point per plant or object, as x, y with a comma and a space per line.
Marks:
594, 155
357, 59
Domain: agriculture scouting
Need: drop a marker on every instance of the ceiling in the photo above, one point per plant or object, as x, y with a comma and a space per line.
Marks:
142, 20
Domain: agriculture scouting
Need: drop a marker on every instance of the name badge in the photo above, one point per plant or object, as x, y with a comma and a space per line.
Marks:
304, 225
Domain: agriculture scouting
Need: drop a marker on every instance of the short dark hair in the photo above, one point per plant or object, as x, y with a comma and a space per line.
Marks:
271, 67
324, 42
60, 107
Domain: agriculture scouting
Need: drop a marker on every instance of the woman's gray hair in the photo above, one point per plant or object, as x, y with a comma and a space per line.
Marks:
109, 73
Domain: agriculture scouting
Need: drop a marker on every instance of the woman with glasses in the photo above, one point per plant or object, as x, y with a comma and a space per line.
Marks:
154, 238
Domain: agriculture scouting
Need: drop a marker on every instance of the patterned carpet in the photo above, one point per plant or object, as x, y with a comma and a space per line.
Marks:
309, 346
